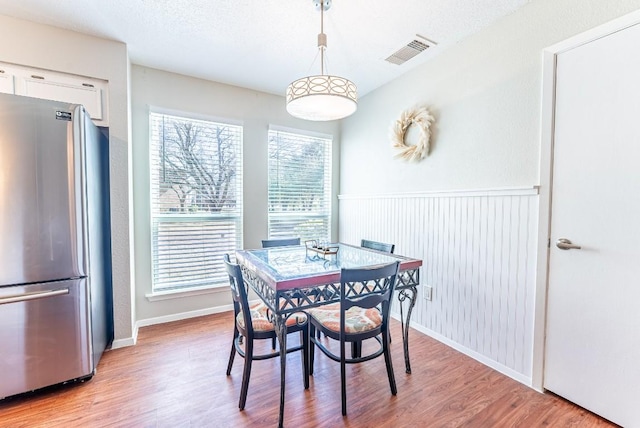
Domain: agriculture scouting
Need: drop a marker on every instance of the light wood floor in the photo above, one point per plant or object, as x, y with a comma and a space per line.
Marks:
175, 377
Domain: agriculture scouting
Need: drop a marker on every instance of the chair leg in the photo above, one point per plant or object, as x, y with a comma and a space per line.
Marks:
389, 364
273, 343
304, 337
312, 347
248, 359
233, 351
343, 376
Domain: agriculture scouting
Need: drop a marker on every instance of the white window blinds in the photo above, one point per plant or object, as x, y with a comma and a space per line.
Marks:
299, 186
196, 200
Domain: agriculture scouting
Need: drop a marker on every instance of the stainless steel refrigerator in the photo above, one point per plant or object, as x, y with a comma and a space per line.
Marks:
55, 249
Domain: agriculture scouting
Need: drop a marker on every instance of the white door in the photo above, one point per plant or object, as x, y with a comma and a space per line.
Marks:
593, 314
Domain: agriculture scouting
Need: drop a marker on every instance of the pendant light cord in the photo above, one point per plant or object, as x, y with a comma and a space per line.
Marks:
322, 38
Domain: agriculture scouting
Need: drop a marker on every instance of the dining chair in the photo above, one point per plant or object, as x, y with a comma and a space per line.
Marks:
378, 246
280, 242
375, 245
362, 313
252, 323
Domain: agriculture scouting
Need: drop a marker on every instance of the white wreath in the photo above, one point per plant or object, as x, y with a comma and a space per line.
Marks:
421, 117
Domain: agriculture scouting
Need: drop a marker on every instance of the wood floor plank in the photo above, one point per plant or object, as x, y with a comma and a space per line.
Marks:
175, 377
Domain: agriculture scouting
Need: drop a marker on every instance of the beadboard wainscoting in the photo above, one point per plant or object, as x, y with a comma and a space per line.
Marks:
479, 256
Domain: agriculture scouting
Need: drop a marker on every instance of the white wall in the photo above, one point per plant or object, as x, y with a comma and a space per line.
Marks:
49, 48
486, 95
256, 111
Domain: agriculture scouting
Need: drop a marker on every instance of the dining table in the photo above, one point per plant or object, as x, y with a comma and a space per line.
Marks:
292, 279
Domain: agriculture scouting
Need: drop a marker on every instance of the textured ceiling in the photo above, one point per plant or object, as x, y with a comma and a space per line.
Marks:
266, 44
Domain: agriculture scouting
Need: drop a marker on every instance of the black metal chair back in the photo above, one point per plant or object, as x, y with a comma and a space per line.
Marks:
239, 296
377, 283
280, 242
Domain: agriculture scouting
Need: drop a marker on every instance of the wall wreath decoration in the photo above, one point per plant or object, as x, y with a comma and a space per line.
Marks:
421, 117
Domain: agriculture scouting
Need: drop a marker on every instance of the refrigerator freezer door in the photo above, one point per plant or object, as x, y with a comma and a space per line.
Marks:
40, 197
45, 338
98, 242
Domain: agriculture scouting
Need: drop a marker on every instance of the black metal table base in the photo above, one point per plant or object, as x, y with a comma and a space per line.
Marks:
409, 293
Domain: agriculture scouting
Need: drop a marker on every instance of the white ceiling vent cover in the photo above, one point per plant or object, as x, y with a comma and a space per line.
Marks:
407, 52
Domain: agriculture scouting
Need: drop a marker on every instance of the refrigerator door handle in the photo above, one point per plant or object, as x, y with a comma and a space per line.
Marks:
33, 296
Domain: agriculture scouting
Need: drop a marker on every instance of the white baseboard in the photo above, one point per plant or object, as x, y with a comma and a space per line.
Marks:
123, 343
127, 341
470, 353
131, 341
183, 316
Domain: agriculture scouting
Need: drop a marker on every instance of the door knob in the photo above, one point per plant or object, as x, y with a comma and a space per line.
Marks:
565, 244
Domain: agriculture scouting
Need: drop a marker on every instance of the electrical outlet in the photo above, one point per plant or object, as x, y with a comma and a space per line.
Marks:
428, 292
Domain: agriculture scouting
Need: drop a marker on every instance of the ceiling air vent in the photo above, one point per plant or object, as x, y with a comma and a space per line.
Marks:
407, 52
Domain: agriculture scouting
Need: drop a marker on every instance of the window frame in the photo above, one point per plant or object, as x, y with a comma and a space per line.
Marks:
328, 193
218, 279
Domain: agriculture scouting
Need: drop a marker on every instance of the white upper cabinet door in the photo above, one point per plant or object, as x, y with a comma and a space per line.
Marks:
50, 85
86, 94
6, 82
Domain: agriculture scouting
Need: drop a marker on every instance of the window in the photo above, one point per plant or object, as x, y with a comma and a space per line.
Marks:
299, 186
196, 200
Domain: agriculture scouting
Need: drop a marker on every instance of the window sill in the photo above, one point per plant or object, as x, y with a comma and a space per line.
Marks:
181, 293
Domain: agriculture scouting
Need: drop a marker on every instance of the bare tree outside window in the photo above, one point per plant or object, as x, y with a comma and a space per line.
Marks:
197, 166
299, 186
297, 175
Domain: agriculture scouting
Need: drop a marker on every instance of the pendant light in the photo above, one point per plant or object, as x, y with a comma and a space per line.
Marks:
322, 97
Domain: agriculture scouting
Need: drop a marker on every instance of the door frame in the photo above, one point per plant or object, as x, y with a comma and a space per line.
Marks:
545, 206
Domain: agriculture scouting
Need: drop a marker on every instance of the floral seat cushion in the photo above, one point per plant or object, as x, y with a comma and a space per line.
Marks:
260, 318
356, 319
